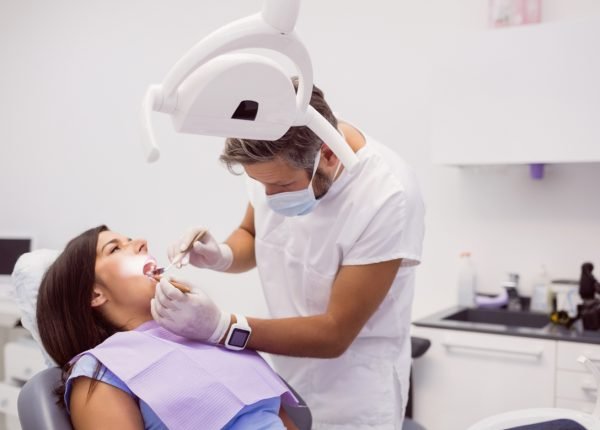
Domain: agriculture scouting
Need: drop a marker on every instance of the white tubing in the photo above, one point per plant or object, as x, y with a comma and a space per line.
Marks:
328, 134
149, 145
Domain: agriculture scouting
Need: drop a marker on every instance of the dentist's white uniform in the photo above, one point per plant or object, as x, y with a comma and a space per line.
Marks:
372, 215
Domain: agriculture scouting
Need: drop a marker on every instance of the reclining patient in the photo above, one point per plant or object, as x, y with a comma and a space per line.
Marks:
123, 371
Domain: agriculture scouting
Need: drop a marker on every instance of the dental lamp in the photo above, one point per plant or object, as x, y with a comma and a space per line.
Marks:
216, 90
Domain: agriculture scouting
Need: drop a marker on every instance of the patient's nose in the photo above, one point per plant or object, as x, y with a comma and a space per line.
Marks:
140, 246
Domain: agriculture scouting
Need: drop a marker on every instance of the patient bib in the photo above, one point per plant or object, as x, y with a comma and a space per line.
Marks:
189, 385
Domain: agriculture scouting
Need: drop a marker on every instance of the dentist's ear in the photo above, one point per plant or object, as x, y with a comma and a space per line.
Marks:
329, 156
98, 297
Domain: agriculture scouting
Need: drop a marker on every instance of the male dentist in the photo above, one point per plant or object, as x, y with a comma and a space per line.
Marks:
336, 252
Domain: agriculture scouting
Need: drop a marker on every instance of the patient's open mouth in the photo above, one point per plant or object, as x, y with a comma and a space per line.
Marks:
150, 267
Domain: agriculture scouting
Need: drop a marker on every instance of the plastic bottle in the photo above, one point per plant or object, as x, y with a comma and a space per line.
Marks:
541, 296
466, 281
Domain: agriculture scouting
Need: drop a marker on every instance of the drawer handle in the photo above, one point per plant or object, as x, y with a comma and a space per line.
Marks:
4, 403
535, 353
589, 385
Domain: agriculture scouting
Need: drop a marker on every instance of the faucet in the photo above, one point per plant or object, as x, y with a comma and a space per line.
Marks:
512, 289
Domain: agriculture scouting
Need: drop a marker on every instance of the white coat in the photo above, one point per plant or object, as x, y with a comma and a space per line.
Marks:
373, 215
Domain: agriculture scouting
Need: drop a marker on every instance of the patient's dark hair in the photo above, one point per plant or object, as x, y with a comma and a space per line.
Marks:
67, 323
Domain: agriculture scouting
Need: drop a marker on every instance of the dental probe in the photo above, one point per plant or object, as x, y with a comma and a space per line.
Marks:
178, 257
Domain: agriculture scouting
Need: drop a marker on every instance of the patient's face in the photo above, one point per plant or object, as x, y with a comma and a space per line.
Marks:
119, 271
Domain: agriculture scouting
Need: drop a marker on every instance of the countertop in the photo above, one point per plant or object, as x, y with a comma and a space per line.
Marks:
549, 332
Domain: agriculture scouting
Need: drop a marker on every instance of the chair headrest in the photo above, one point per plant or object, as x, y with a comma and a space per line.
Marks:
27, 276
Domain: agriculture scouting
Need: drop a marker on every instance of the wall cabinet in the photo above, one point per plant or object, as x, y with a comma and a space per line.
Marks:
528, 94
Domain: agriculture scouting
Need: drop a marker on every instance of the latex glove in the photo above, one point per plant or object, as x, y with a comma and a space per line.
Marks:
205, 253
193, 315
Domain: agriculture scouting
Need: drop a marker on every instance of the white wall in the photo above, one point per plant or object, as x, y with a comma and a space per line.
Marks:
73, 74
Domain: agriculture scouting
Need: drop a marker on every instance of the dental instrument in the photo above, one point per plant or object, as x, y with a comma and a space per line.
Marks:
154, 272
213, 90
180, 287
156, 275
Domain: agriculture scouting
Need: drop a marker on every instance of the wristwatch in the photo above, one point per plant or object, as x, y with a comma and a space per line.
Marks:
238, 335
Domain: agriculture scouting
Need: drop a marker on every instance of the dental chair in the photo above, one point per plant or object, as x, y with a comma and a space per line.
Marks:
38, 409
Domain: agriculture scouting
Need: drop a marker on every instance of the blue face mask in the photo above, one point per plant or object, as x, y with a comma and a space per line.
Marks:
302, 202
294, 203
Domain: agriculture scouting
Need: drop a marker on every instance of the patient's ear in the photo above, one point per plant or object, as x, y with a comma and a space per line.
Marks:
98, 296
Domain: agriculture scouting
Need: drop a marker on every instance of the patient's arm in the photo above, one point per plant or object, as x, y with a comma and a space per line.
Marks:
287, 422
107, 407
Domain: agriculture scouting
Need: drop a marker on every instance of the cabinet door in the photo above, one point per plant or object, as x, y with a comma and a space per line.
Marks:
467, 376
23, 359
8, 399
576, 388
527, 94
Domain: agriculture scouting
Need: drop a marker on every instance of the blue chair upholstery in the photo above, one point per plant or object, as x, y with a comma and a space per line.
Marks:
38, 408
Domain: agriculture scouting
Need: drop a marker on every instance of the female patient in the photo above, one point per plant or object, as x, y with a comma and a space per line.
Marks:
93, 314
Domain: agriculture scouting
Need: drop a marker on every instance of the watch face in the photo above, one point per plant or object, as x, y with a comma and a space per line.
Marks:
239, 337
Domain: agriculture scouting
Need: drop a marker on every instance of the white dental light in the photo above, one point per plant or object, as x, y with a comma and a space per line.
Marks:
216, 90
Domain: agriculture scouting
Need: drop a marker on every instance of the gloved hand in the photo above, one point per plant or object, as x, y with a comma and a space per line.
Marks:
206, 253
193, 315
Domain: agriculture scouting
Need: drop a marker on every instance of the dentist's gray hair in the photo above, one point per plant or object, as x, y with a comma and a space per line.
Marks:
298, 146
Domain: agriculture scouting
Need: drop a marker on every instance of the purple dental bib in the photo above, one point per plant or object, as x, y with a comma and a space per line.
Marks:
188, 384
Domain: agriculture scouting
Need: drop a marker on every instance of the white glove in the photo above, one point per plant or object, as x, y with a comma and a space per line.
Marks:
193, 315
206, 253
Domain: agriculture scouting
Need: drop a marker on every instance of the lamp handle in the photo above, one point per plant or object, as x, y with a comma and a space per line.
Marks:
281, 14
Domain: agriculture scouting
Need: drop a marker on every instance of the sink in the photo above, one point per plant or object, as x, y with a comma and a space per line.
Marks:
500, 317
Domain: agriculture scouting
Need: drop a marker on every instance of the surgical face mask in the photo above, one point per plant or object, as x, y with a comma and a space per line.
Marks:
301, 202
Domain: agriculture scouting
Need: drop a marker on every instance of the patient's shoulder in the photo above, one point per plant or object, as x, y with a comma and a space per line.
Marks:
104, 406
88, 367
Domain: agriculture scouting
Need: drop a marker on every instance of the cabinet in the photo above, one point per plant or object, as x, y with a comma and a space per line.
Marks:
467, 376
528, 94
22, 359
575, 386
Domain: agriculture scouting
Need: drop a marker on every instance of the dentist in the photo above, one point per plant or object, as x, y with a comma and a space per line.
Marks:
336, 252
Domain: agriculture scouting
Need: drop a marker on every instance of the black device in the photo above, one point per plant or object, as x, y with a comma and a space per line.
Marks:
588, 284
10, 251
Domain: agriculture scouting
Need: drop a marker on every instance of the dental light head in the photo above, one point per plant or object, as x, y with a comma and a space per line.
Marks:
217, 89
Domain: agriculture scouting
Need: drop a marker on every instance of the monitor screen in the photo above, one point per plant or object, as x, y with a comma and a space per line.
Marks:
10, 251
